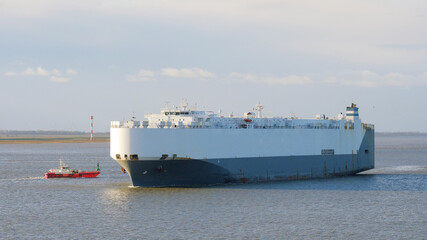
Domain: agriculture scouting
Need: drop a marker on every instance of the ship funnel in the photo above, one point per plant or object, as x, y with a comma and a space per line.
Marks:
352, 112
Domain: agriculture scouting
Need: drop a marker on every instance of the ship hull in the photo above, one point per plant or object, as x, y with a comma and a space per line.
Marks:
205, 172
73, 175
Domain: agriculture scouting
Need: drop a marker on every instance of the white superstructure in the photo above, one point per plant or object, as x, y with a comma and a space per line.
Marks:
188, 118
189, 133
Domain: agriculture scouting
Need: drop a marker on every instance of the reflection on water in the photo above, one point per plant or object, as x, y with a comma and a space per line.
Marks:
267, 211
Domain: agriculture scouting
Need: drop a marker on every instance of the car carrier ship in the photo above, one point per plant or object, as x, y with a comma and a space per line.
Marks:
188, 147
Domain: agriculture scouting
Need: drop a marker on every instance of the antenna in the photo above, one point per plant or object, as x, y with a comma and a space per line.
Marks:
184, 104
91, 128
259, 108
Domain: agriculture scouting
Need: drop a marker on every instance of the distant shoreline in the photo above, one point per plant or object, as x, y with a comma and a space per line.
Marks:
40, 139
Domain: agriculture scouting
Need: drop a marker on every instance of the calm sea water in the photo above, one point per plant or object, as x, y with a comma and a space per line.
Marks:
388, 202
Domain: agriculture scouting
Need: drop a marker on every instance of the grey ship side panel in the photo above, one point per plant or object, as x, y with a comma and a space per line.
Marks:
187, 173
367, 150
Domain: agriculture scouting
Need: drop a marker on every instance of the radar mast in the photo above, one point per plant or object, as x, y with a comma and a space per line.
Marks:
259, 109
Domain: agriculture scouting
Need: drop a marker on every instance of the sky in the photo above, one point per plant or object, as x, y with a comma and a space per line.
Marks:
63, 61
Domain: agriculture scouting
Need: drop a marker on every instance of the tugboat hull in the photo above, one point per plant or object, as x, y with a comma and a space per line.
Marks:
73, 175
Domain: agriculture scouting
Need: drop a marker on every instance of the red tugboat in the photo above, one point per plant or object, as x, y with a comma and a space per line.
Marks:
64, 171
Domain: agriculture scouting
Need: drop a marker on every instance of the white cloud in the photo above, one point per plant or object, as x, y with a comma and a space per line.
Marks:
187, 73
71, 72
146, 73
359, 51
54, 75
369, 79
59, 79
368, 74
56, 72
11, 74
28, 72
38, 72
364, 79
352, 31
142, 76
272, 80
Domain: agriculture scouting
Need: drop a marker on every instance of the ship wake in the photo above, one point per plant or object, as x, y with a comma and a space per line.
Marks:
22, 179
406, 169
